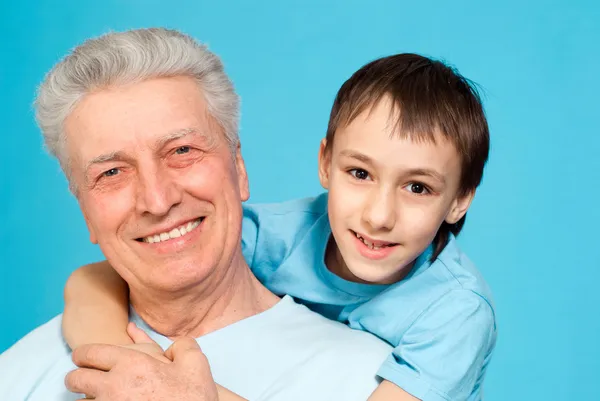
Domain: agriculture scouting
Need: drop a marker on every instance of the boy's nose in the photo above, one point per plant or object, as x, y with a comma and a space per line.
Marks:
380, 210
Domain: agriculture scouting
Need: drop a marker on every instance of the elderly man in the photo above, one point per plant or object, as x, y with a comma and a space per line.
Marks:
144, 124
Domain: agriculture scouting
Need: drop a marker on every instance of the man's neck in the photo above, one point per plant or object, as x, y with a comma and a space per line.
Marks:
214, 304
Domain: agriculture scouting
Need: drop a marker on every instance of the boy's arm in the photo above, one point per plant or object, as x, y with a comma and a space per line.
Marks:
388, 391
96, 307
442, 355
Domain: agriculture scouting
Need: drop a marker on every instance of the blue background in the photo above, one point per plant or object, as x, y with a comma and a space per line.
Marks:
534, 222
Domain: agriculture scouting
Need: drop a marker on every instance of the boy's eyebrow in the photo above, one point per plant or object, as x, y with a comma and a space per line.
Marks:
357, 155
415, 171
427, 172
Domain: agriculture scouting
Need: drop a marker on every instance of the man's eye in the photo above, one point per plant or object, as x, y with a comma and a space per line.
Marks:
111, 172
359, 173
182, 150
417, 188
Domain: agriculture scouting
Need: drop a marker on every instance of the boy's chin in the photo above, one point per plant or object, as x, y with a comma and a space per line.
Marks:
367, 273
377, 273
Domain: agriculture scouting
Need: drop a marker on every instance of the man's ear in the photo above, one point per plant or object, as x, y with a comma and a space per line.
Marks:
93, 237
240, 166
324, 163
459, 207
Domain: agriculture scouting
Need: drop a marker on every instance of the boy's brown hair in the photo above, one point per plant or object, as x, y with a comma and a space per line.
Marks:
430, 97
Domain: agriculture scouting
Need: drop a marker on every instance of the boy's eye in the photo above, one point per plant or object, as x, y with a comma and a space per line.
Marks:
182, 150
359, 173
417, 188
111, 172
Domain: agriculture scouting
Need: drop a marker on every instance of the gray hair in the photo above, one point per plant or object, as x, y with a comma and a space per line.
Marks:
119, 58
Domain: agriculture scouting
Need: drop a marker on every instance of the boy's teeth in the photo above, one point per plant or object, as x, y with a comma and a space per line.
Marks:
174, 233
370, 245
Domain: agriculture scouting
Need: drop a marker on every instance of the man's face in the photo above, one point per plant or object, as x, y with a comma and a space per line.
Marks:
388, 196
157, 183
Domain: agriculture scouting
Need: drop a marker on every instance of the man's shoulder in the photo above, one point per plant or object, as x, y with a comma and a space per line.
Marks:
26, 365
291, 353
44, 343
348, 358
332, 333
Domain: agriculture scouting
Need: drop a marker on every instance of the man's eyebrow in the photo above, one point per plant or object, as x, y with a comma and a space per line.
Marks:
122, 156
107, 157
181, 133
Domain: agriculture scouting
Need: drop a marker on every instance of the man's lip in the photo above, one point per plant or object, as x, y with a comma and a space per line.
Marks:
169, 228
374, 241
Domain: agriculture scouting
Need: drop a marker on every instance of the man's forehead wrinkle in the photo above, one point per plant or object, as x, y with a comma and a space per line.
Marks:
121, 154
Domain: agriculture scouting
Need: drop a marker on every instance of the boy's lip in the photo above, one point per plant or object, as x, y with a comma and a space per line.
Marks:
373, 254
373, 241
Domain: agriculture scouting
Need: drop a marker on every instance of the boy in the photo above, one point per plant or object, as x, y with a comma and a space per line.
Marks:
404, 153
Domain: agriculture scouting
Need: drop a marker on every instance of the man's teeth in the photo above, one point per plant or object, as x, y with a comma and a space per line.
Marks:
371, 245
174, 233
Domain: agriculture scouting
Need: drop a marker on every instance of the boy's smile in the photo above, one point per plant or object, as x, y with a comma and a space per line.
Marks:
388, 195
371, 248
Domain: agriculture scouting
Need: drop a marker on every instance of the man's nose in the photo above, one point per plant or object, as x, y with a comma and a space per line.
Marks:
380, 209
158, 193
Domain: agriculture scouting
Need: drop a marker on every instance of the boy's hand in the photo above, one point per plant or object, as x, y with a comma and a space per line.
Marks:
143, 343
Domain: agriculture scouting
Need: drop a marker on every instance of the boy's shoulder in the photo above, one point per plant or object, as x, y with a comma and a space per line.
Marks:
461, 272
271, 232
450, 283
284, 221
315, 206
452, 270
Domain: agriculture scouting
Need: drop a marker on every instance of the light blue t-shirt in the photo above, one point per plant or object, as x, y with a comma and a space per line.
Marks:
287, 353
439, 319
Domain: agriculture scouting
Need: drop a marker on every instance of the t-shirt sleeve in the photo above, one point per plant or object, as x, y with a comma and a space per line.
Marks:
442, 354
264, 246
250, 224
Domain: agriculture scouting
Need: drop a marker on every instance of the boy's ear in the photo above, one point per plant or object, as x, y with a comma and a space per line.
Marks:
324, 164
459, 207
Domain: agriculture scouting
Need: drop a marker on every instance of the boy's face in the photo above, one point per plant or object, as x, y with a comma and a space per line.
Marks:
388, 196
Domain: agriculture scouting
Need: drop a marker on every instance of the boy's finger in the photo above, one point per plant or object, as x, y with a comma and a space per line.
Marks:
138, 335
183, 349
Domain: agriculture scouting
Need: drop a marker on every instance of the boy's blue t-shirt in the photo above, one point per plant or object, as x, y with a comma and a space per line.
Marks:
440, 318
